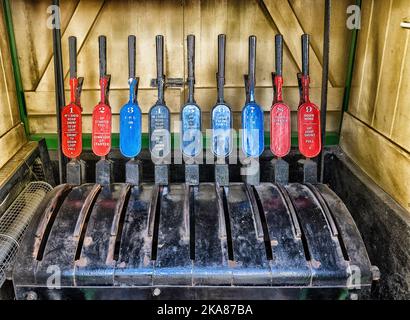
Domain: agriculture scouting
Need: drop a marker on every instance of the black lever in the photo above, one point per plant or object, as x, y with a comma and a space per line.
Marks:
131, 56
160, 68
221, 67
191, 67
102, 41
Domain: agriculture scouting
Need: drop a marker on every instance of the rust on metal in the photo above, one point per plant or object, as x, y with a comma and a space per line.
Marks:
291, 210
221, 215
85, 210
115, 232
186, 211
328, 216
152, 209
255, 211
50, 212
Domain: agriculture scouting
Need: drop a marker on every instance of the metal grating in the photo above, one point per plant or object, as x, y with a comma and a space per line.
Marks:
15, 220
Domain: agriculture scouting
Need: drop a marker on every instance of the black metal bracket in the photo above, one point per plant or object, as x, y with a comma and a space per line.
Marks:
169, 83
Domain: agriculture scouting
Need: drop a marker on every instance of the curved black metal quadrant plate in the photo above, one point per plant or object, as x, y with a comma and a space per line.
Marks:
134, 265
196, 237
95, 264
289, 263
211, 247
327, 262
61, 250
250, 265
173, 265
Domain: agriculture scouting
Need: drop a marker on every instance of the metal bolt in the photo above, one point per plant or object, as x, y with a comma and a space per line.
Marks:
31, 295
156, 292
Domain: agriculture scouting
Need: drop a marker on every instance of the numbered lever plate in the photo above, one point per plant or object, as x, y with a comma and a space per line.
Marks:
280, 130
252, 130
309, 130
101, 130
71, 139
191, 138
221, 118
130, 129
160, 139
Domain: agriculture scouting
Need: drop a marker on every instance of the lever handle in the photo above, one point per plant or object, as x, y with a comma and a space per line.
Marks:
252, 62
160, 56
131, 56
305, 54
246, 81
191, 56
279, 54
221, 55
102, 43
72, 45
159, 39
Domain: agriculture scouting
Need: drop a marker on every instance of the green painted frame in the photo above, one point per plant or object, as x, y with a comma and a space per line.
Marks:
16, 67
349, 74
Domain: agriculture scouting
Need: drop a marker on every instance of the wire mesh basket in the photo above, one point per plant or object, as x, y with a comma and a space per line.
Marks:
14, 222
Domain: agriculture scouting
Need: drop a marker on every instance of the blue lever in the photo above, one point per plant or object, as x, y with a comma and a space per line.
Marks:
191, 138
252, 130
130, 124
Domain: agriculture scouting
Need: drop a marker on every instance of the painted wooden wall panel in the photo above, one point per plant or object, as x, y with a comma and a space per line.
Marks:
371, 60
376, 130
400, 126
34, 39
12, 135
307, 13
393, 63
79, 24
9, 115
382, 160
11, 143
380, 91
87, 19
361, 51
6, 119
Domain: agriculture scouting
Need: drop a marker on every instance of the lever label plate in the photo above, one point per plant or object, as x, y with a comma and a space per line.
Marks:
101, 130
159, 131
71, 139
309, 130
130, 130
191, 137
252, 130
280, 129
221, 118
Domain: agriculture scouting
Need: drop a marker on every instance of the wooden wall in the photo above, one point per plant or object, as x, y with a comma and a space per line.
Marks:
376, 130
12, 136
87, 19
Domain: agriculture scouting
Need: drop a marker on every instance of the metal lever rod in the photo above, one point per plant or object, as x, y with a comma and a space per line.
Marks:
221, 67
131, 56
160, 68
191, 67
